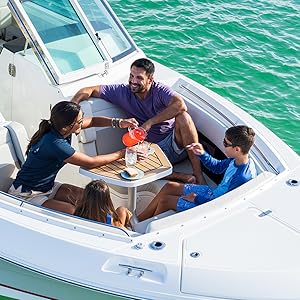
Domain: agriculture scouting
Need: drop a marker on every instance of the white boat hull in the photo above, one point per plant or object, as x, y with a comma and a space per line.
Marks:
243, 245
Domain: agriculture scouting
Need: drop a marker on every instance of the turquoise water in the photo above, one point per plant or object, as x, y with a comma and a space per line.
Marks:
247, 51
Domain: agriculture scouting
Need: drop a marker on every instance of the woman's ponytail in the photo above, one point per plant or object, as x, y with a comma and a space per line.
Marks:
44, 127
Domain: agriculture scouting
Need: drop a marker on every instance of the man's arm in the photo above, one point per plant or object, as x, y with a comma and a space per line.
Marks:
175, 107
87, 92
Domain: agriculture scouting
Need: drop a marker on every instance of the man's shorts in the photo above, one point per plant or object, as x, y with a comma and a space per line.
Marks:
35, 197
204, 194
174, 153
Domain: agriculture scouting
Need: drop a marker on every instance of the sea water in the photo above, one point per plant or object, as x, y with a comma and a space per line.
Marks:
246, 51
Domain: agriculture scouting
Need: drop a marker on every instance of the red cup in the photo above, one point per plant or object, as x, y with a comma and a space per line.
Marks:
134, 136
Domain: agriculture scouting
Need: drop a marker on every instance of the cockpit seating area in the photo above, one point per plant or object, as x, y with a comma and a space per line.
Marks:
103, 140
94, 141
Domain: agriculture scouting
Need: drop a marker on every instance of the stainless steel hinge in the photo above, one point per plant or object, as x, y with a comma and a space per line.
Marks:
12, 70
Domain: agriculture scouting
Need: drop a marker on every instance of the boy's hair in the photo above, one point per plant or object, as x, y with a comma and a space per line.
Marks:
146, 64
96, 202
242, 136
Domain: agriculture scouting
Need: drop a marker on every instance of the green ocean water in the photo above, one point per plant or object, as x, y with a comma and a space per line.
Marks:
247, 51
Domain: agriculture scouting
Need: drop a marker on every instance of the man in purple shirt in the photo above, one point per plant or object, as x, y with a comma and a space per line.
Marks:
156, 108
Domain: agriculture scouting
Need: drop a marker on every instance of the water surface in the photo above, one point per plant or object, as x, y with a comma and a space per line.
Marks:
247, 51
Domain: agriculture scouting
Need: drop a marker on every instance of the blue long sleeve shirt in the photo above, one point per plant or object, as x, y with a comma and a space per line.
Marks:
234, 175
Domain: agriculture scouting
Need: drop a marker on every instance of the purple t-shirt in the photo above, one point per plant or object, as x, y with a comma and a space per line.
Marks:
142, 110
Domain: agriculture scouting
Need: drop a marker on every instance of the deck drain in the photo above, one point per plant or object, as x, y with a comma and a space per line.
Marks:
293, 182
194, 254
157, 245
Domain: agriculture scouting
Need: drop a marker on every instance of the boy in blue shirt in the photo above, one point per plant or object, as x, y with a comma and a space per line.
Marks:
238, 168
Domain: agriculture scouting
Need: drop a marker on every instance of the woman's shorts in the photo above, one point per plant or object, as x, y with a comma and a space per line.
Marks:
174, 153
35, 197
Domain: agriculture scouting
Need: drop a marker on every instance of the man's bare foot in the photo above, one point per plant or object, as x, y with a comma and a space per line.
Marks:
185, 178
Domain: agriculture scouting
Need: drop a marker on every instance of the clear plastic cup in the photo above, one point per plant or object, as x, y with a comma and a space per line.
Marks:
130, 156
144, 148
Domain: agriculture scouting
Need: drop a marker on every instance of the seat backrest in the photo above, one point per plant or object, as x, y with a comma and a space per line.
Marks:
8, 160
19, 139
2, 120
5, 14
101, 140
13, 140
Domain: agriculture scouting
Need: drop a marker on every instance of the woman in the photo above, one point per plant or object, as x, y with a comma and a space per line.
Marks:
97, 205
50, 149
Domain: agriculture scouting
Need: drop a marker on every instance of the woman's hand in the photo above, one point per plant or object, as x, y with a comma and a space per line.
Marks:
132, 122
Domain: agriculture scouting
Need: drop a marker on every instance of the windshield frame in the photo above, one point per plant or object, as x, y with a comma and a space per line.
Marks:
111, 18
43, 55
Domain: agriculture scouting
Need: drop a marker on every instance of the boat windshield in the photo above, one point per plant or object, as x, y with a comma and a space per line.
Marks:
108, 30
64, 35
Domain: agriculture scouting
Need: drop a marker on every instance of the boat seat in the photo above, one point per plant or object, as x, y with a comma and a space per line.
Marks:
5, 17
230, 199
16, 45
2, 120
13, 140
144, 226
93, 141
9, 162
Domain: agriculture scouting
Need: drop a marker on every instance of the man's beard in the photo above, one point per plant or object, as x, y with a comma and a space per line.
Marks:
136, 89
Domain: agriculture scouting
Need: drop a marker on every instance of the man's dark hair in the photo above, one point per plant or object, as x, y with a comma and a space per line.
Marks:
146, 64
242, 136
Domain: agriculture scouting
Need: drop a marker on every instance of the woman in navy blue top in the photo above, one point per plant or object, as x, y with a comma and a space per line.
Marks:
50, 149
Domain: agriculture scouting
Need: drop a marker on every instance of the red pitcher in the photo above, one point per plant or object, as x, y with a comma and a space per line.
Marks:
134, 136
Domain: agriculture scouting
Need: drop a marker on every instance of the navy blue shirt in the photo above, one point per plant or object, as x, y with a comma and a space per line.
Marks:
44, 160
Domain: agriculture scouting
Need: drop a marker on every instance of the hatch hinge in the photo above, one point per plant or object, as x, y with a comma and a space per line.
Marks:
265, 213
12, 70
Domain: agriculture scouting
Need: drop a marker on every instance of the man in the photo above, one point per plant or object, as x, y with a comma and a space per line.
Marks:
157, 109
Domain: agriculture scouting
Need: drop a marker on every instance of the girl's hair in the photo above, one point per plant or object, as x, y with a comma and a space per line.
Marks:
63, 114
242, 136
96, 203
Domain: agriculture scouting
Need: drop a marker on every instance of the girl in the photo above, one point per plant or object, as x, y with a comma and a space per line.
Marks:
97, 205
50, 149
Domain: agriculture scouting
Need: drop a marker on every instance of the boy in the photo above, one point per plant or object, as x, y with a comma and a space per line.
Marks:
238, 168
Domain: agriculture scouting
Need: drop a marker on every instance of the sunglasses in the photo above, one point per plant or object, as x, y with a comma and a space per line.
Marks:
226, 144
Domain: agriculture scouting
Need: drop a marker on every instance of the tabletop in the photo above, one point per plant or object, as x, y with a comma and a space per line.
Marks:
155, 166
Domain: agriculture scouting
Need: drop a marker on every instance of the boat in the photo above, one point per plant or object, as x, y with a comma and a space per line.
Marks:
243, 245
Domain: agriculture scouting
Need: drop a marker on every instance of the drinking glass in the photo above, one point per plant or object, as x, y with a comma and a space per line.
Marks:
130, 156
144, 148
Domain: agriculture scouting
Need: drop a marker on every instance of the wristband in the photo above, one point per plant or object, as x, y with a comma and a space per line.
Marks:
115, 122
119, 122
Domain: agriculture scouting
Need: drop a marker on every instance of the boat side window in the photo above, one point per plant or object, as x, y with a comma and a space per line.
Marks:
63, 34
108, 30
